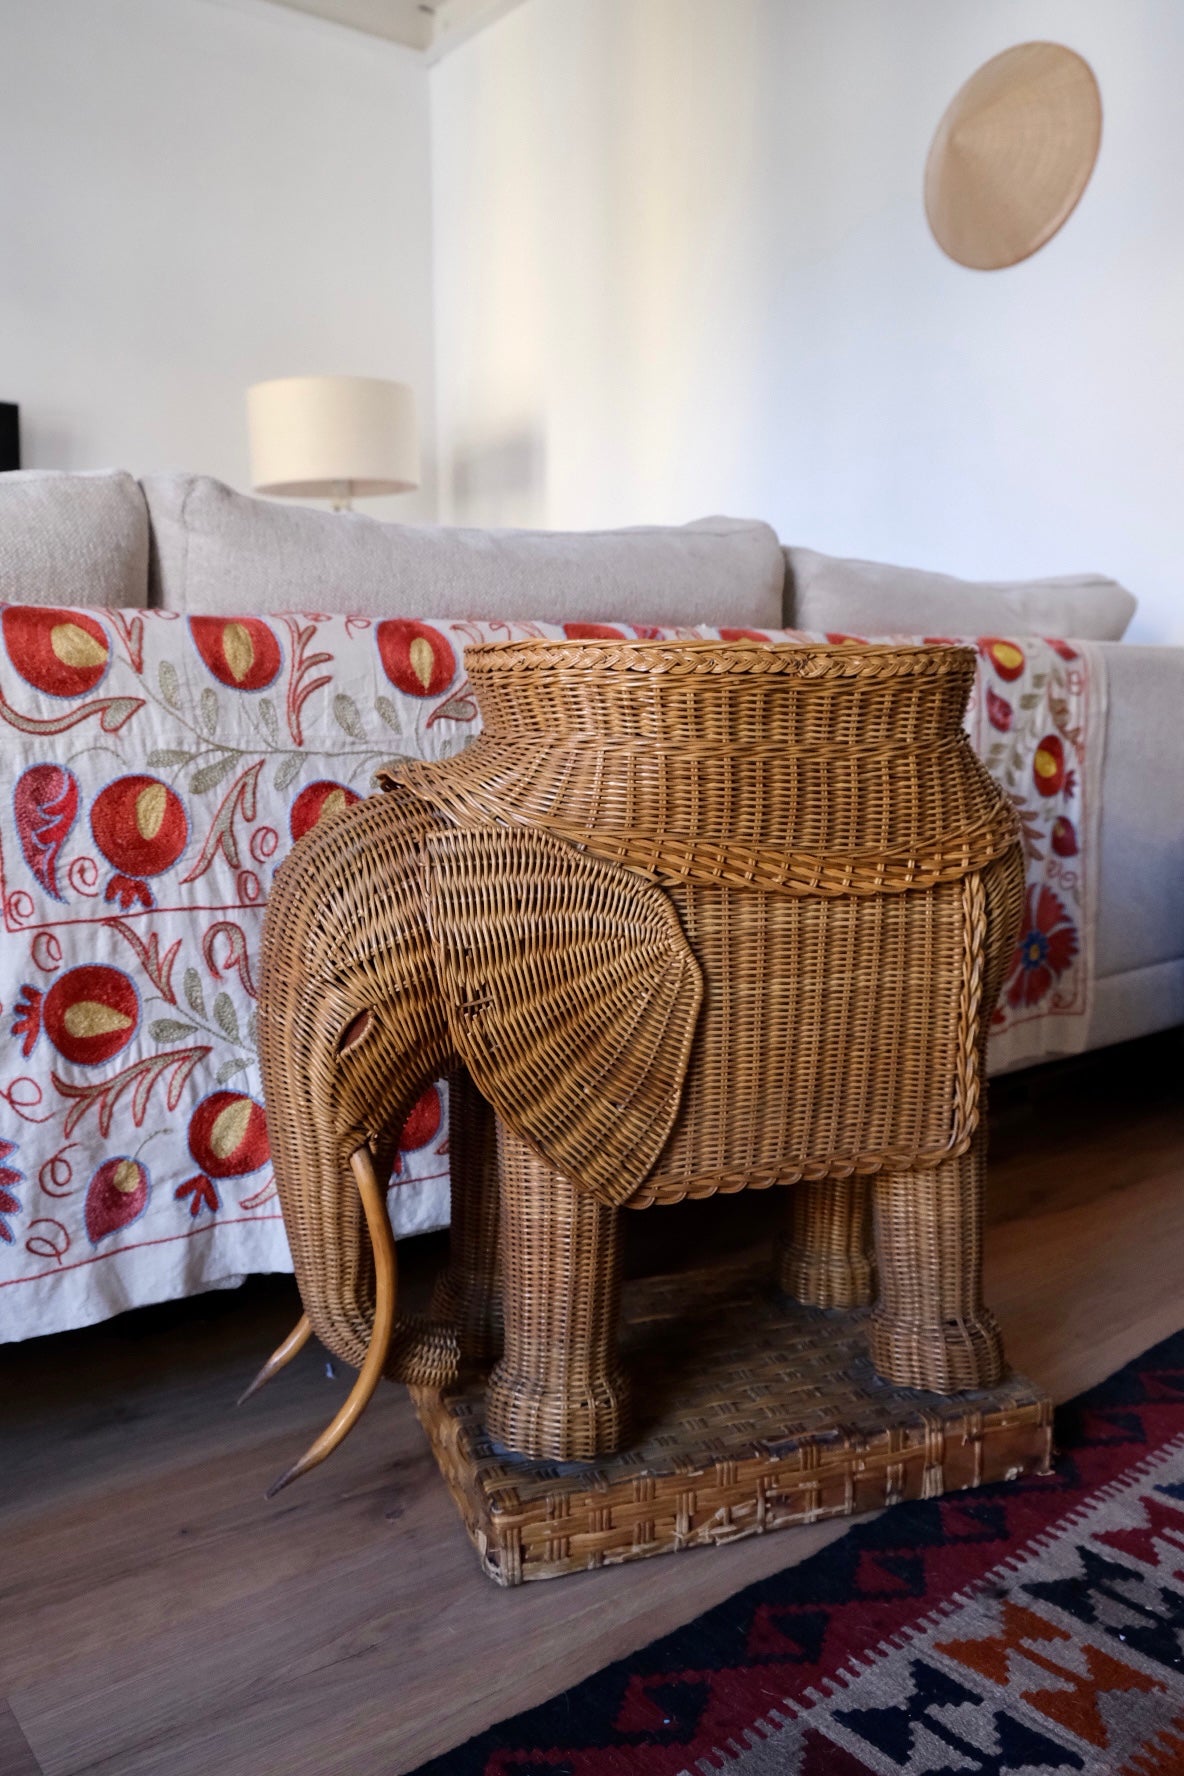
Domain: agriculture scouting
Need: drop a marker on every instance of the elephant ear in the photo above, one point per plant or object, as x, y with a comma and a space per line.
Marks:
572, 996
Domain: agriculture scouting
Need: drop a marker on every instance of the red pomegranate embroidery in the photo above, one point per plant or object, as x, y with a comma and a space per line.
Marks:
1048, 765
415, 657
62, 652
116, 1196
241, 652
45, 807
228, 1135
999, 710
141, 828
1064, 837
89, 1015
423, 1122
317, 802
422, 1125
592, 632
227, 1139
1005, 656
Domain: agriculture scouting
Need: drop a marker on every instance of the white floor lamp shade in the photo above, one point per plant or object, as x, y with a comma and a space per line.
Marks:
332, 437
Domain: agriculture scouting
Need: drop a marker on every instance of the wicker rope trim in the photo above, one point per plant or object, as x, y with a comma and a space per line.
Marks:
668, 858
660, 1192
645, 746
867, 662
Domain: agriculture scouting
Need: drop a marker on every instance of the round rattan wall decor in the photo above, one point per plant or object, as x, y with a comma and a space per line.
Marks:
1012, 155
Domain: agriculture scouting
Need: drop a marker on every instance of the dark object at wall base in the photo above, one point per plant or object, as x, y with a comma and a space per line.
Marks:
10, 435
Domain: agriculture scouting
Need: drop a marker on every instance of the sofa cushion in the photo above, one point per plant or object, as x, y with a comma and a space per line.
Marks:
827, 593
71, 539
214, 550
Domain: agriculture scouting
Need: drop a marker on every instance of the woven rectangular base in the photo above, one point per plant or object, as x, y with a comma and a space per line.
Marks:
752, 1414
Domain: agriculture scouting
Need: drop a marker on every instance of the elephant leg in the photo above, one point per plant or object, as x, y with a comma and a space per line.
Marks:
823, 1257
468, 1294
559, 1392
930, 1328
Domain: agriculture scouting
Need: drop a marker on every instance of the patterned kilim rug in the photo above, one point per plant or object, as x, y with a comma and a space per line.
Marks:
1018, 1629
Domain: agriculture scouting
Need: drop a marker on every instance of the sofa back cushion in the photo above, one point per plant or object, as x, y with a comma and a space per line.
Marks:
69, 539
214, 550
826, 593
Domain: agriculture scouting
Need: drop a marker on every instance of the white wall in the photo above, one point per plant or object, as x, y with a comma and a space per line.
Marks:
194, 196
682, 265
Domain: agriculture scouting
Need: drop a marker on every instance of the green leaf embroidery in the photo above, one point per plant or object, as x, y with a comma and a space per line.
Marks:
211, 775
209, 709
389, 714
169, 1030
345, 712
225, 1016
117, 711
288, 769
228, 1069
270, 722
170, 685
167, 755
193, 992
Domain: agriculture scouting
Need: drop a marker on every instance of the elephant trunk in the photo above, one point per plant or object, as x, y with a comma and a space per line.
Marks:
343, 1251
373, 1199
350, 1034
361, 1326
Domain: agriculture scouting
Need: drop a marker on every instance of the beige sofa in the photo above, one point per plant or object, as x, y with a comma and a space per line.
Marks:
189, 544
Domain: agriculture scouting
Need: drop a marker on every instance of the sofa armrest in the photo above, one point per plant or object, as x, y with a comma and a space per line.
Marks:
1141, 856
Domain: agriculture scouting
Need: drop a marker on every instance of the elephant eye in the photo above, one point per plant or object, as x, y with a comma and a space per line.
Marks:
353, 1032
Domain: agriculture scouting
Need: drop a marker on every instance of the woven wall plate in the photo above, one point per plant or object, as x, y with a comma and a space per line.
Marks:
1013, 155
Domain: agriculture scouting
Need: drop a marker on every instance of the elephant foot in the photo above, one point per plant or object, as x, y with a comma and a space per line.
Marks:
944, 1359
476, 1312
423, 1353
823, 1253
556, 1424
820, 1280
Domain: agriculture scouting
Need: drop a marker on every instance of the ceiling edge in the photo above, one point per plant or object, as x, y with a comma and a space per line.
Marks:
296, 18
452, 23
456, 21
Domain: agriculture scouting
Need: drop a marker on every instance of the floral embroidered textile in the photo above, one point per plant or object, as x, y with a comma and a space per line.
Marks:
157, 768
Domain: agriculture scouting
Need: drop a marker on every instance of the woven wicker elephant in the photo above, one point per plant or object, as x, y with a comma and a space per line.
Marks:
690, 918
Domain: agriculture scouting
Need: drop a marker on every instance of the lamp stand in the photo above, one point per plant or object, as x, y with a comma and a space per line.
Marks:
342, 497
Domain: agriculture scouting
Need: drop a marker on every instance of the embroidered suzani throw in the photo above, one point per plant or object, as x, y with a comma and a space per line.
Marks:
155, 771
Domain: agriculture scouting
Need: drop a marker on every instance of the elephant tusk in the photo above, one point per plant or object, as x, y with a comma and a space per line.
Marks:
385, 1288
293, 1344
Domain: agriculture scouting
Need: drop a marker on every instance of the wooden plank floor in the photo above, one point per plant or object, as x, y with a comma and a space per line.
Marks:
158, 1618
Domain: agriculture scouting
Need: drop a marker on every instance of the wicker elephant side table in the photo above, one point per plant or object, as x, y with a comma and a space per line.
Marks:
686, 918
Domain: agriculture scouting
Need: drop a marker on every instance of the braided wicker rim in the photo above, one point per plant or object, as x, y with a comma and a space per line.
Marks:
803, 660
